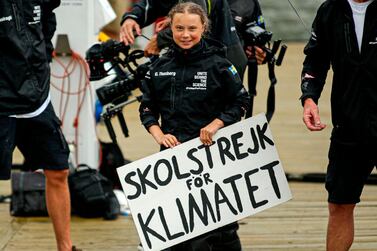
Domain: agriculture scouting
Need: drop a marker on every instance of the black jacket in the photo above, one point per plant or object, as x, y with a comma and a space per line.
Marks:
222, 28
189, 89
26, 30
246, 12
354, 89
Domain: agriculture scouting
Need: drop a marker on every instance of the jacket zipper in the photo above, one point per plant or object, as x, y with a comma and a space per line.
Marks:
347, 35
183, 84
16, 17
172, 93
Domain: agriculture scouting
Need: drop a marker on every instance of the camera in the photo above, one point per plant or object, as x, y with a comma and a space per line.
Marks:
99, 54
256, 35
115, 58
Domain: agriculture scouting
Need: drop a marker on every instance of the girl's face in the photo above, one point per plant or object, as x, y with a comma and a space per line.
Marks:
187, 29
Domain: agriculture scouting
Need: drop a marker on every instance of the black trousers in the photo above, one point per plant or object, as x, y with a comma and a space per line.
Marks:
221, 239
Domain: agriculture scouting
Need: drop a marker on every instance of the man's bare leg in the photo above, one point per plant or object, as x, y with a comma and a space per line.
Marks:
340, 229
59, 206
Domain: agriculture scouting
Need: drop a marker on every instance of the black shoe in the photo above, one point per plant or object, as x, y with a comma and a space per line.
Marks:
140, 247
75, 249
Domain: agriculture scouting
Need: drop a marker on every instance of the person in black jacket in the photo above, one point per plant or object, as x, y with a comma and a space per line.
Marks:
27, 118
249, 13
145, 12
196, 91
344, 35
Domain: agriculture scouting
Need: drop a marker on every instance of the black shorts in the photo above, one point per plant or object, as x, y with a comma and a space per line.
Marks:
348, 169
39, 139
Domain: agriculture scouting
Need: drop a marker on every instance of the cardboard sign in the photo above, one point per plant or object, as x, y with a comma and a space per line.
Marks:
189, 190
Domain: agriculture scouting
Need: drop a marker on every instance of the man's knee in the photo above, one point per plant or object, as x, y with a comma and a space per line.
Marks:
56, 177
341, 210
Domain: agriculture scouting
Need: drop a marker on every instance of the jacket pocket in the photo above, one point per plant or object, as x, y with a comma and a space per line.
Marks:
59, 132
30, 89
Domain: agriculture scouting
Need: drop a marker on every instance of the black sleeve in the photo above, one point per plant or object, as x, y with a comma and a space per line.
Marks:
49, 24
258, 15
164, 38
238, 99
246, 12
148, 111
145, 12
317, 60
222, 25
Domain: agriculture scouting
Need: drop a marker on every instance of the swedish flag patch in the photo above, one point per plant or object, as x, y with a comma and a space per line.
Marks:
233, 70
260, 20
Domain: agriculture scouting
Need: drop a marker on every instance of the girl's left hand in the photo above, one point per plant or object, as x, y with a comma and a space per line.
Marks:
207, 132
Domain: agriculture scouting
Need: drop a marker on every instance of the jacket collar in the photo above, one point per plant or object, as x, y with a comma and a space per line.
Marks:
203, 49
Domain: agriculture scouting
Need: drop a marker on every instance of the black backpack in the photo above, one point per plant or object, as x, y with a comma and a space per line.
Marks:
112, 158
28, 194
92, 194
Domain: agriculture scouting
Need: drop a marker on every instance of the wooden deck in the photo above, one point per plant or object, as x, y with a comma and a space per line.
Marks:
299, 224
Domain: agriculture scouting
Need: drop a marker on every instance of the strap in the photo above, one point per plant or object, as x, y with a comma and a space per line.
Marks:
252, 75
271, 91
252, 78
21, 190
209, 7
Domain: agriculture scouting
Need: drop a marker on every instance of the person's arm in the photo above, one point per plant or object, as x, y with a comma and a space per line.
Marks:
126, 33
207, 132
313, 77
148, 110
163, 38
311, 116
257, 17
149, 115
236, 96
222, 25
167, 140
142, 14
152, 47
49, 25
256, 52
238, 102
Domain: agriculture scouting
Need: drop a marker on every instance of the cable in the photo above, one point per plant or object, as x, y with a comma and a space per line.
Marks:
302, 21
76, 63
147, 38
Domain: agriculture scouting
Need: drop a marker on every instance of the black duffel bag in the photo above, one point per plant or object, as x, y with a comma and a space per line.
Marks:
28, 194
92, 194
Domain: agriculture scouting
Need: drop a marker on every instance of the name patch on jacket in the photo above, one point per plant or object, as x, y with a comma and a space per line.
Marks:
5, 19
164, 73
199, 82
36, 15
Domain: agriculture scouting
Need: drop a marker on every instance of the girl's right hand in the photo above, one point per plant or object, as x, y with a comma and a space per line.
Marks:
168, 140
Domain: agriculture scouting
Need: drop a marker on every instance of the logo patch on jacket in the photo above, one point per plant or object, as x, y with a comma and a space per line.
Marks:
233, 70
36, 15
199, 82
6, 19
373, 42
